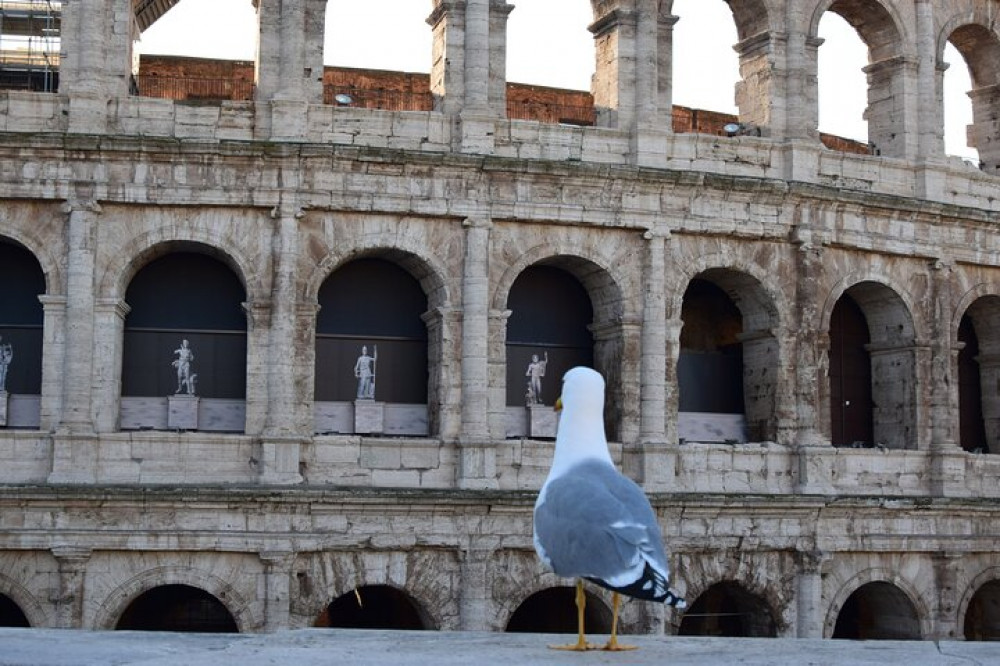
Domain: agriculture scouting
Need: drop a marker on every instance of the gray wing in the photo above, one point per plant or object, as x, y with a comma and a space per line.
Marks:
595, 523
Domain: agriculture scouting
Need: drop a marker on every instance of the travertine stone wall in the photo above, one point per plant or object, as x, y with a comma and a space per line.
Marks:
277, 521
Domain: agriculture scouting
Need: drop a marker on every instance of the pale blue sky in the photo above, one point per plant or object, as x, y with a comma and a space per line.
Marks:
549, 45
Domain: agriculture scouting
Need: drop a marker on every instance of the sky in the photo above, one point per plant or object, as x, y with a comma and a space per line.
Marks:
394, 35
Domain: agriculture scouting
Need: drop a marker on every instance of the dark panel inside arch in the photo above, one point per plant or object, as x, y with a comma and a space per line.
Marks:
177, 608
376, 305
850, 374
550, 317
373, 607
877, 611
972, 427
21, 317
727, 609
553, 611
185, 296
982, 618
710, 364
11, 614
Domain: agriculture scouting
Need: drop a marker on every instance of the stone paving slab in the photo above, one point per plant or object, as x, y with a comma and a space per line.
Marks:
315, 647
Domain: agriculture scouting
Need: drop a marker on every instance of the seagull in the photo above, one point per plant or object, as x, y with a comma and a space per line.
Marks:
591, 522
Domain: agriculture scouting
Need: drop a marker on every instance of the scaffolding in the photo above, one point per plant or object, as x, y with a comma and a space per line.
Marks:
30, 44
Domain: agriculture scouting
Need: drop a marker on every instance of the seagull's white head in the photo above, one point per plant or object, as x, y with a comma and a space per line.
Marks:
581, 425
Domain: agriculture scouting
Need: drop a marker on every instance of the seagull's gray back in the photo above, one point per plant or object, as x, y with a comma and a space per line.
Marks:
593, 522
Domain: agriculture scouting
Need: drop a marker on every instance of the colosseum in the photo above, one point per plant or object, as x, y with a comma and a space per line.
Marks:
267, 346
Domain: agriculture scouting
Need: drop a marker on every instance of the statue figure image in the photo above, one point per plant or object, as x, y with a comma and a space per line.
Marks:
535, 372
6, 356
364, 370
185, 380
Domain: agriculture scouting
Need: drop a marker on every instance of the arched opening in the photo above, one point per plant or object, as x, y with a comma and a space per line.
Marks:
885, 107
185, 346
972, 430
957, 107
703, 40
878, 611
21, 321
371, 351
547, 334
11, 614
553, 611
177, 608
978, 368
728, 609
374, 607
726, 365
873, 365
841, 60
979, 47
982, 617
850, 376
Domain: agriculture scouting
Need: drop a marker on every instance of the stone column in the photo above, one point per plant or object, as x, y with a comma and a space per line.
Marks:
946, 569
447, 77
984, 133
930, 119
53, 354
614, 81
97, 38
892, 99
277, 589
809, 594
801, 104
68, 601
475, 331
282, 436
259, 317
444, 361
74, 447
653, 84
947, 465
474, 603
761, 93
654, 342
109, 318
484, 80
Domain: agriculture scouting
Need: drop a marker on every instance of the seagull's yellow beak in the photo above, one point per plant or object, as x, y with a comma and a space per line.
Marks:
558, 406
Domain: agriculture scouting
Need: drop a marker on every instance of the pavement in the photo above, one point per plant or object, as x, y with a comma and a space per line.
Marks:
315, 647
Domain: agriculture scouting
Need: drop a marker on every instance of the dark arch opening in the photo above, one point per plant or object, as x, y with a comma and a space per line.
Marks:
11, 614
551, 313
375, 304
553, 611
710, 364
177, 608
878, 611
185, 296
728, 609
21, 319
850, 376
374, 607
972, 427
982, 618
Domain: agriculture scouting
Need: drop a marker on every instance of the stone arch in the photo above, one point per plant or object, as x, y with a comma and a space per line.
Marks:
893, 359
38, 249
428, 578
877, 575
553, 610
975, 38
990, 576
608, 328
727, 608
411, 257
978, 367
157, 244
892, 65
759, 340
25, 600
111, 608
412, 612
752, 572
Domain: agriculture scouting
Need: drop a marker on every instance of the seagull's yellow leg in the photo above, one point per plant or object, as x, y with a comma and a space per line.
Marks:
613, 643
581, 644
